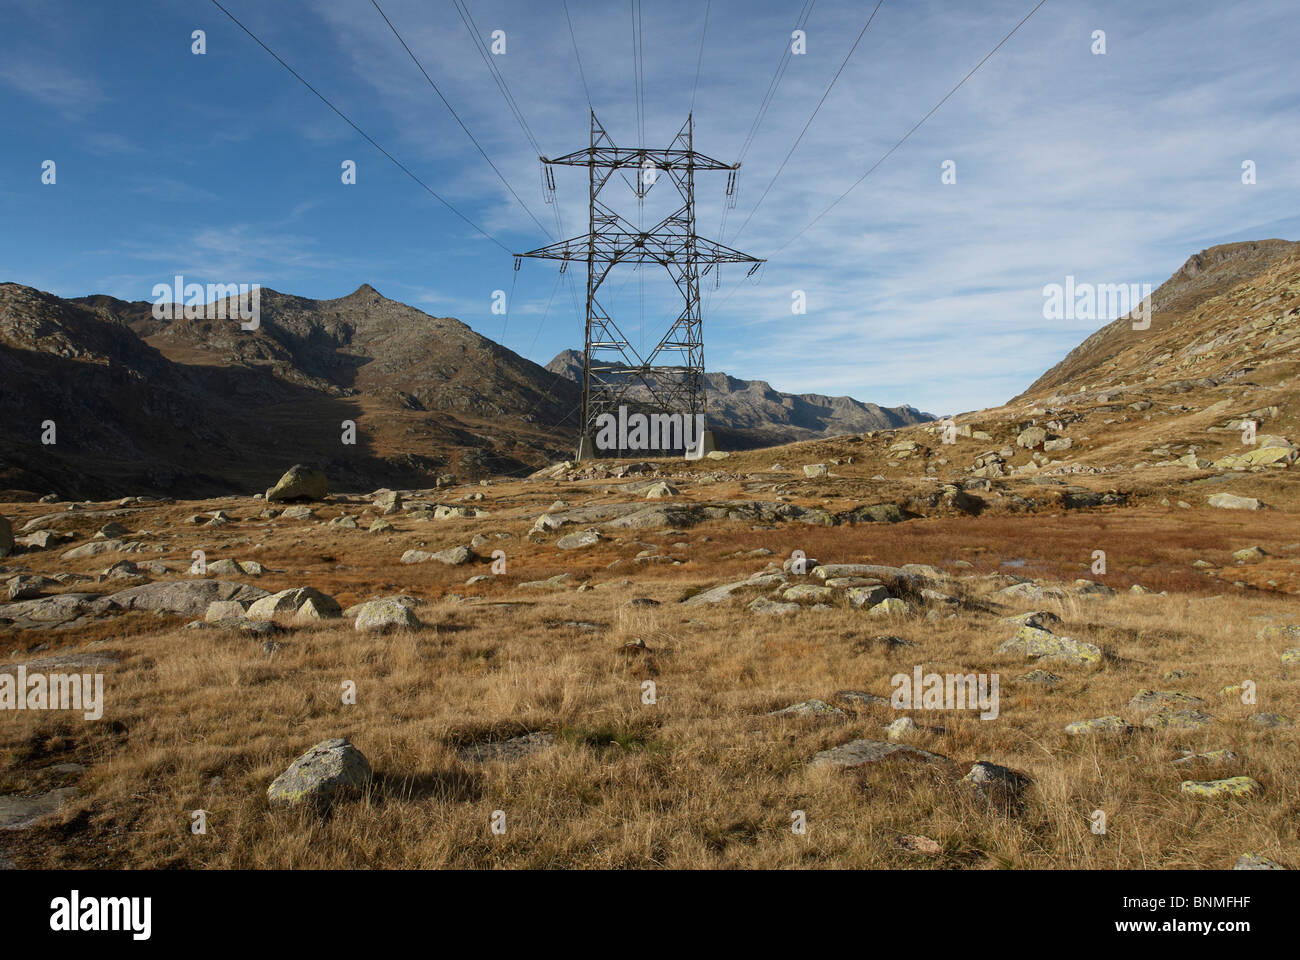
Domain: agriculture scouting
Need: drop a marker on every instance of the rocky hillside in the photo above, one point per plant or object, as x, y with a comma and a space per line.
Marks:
1220, 305
757, 415
191, 407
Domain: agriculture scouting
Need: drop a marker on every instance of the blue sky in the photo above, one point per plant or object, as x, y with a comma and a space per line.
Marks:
223, 168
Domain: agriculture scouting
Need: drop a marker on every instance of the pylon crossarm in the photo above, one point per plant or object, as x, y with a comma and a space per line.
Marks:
617, 158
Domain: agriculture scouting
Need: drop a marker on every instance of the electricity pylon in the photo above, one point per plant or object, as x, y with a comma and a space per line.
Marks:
674, 371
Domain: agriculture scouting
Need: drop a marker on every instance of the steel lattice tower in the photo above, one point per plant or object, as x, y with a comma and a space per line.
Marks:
674, 370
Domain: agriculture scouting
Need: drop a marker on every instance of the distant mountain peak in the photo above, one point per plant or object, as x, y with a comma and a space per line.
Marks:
756, 414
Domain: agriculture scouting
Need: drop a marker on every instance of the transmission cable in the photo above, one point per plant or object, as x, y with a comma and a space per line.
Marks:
816, 110
453, 112
401, 166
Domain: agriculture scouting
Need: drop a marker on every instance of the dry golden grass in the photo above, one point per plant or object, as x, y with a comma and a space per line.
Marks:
206, 719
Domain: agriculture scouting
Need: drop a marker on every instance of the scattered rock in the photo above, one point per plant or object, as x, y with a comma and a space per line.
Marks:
914, 843
1253, 861
377, 616
1098, 725
1231, 787
856, 753
18, 813
1048, 647
1230, 501
808, 708
322, 775
576, 541
508, 751
303, 602
299, 483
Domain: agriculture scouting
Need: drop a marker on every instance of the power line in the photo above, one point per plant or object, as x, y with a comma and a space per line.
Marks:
786, 53
885, 156
700, 60
816, 110
401, 166
578, 56
452, 109
638, 82
468, 19
915, 127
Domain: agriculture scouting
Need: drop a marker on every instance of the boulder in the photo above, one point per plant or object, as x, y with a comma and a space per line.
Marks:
184, 597
808, 708
377, 616
890, 607
1231, 787
1048, 647
576, 541
293, 601
6, 537
388, 502
856, 753
660, 490
1230, 501
1098, 725
1032, 438
1253, 861
322, 775
299, 483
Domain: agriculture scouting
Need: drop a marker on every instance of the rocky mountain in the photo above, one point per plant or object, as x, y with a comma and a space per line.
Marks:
750, 413
201, 406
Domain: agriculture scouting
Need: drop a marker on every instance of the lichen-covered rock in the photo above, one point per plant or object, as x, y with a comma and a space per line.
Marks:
322, 775
388, 502
377, 616
579, 540
901, 729
1098, 725
808, 708
856, 753
1279, 631
890, 607
1047, 646
772, 608
508, 751
292, 601
808, 591
1039, 619
184, 597
1253, 861
1169, 719
866, 596
1230, 501
1041, 677
1209, 756
223, 610
299, 483
1231, 787
1145, 701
